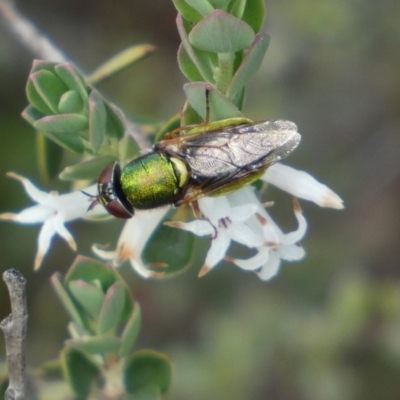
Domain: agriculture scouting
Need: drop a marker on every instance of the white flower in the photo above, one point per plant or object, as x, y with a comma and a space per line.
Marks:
133, 238
239, 216
277, 245
302, 185
223, 223
53, 210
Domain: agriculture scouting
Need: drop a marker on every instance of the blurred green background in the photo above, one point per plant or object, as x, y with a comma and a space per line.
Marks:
325, 328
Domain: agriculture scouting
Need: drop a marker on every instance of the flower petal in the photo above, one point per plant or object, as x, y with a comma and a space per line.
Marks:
303, 185
46, 233
217, 251
241, 233
297, 235
63, 231
133, 239
291, 252
214, 208
243, 212
199, 227
254, 262
31, 215
34, 193
271, 268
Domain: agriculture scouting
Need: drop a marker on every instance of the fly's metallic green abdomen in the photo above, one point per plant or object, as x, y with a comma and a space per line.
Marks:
150, 181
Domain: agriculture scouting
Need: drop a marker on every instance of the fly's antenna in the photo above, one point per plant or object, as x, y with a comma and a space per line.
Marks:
94, 200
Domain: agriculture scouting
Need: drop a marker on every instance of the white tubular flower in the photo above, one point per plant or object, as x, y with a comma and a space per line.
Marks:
53, 210
223, 223
133, 239
277, 246
302, 185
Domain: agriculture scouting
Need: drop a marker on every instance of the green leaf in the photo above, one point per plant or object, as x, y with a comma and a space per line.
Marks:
120, 62
187, 12
63, 123
95, 344
187, 66
198, 59
115, 117
40, 65
237, 8
35, 99
70, 142
201, 6
49, 156
64, 129
111, 310
73, 78
220, 106
254, 14
90, 297
170, 248
249, 66
97, 120
86, 170
49, 87
127, 149
70, 103
91, 270
79, 371
220, 4
131, 331
31, 114
147, 371
220, 32
66, 300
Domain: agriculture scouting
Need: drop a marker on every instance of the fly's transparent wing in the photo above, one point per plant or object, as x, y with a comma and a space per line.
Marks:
224, 157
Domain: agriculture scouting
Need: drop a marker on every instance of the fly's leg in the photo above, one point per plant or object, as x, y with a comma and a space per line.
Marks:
177, 132
196, 209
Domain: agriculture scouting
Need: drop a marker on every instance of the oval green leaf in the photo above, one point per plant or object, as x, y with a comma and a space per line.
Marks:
220, 32
187, 12
196, 56
70, 103
91, 270
69, 141
187, 66
201, 6
254, 14
111, 310
220, 106
97, 120
73, 78
70, 124
79, 371
169, 251
249, 66
147, 371
131, 331
86, 170
95, 344
90, 297
66, 300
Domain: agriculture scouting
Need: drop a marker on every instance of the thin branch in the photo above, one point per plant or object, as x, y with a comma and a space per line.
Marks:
14, 329
29, 35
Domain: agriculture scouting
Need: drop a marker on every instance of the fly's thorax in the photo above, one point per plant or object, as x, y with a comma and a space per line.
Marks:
153, 180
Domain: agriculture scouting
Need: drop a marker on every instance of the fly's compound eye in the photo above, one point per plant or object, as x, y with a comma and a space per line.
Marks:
110, 192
